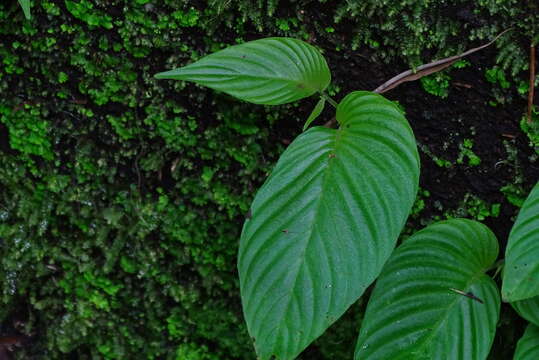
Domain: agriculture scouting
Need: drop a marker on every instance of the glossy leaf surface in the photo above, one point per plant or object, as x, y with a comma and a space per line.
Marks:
268, 71
528, 309
528, 345
325, 222
521, 272
25, 4
433, 299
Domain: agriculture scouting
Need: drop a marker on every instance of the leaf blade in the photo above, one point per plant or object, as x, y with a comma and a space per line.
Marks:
528, 309
315, 241
414, 313
528, 344
269, 71
25, 4
522, 252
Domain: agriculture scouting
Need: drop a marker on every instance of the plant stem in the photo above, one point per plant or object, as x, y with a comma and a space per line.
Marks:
329, 99
532, 82
498, 265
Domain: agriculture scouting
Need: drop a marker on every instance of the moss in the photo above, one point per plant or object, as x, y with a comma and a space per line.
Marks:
28, 130
84, 10
476, 208
466, 152
436, 84
531, 129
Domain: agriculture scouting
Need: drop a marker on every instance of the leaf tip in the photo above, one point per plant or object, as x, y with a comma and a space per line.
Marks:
161, 75
174, 74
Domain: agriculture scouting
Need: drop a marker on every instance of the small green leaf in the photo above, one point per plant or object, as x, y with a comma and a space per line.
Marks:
315, 113
528, 309
522, 253
324, 223
528, 345
268, 71
25, 4
433, 299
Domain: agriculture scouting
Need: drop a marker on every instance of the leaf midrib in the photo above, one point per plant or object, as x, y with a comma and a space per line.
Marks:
338, 135
443, 319
307, 85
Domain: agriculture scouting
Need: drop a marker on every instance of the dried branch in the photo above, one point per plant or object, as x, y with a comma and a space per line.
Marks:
427, 69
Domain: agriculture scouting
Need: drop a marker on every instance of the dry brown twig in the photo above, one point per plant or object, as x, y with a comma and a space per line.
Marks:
430, 68
424, 70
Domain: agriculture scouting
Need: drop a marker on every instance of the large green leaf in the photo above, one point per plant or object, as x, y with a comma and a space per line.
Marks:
528, 309
528, 345
268, 71
325, 222
25, 4
521, 272
433, 299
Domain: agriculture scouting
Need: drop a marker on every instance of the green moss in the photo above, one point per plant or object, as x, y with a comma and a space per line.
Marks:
437, 160
471, 206
84, 10
515, 194
496, 75
531, 129
187, 18
436, 84
192, 351
467, 153
50, 7
28, 131
514, 191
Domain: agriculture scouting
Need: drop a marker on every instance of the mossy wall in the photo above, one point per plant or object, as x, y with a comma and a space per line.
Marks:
122, 197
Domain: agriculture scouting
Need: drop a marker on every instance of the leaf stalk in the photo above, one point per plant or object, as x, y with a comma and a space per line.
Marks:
329, 99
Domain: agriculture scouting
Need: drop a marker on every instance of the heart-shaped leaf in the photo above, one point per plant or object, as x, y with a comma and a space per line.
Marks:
268, 71
521, 272
25, 4
528, 309
325, 222
433, 299
528, 345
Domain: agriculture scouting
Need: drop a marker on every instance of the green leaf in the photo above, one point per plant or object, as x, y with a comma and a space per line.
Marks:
528, 309
315, 113
419, 308
268, 71
325, 222
522, 253
528, 345
25, 4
